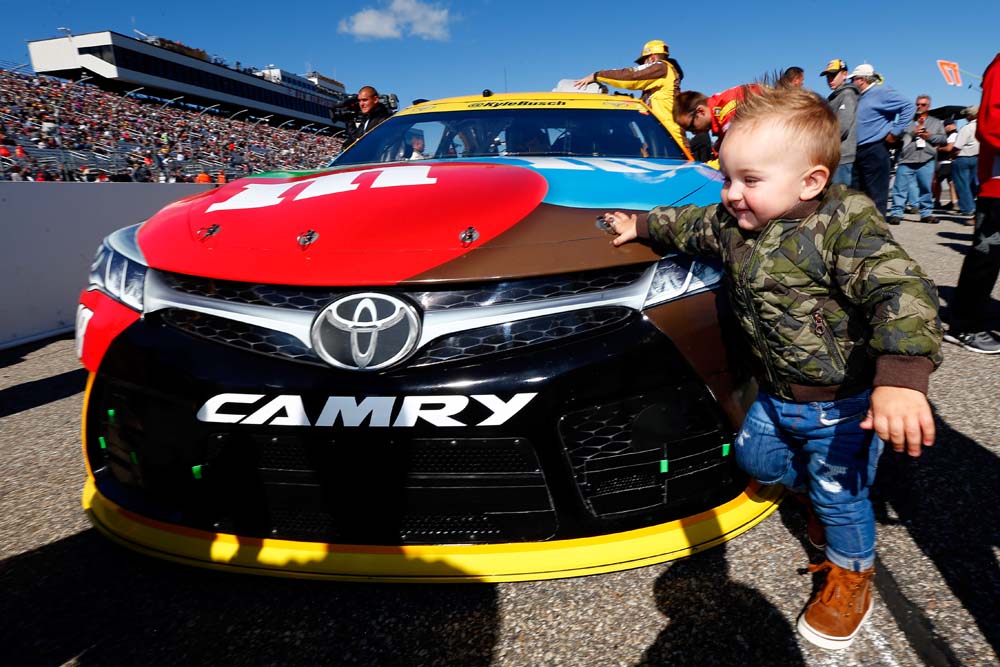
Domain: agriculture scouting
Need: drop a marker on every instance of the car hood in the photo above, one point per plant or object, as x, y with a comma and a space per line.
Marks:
422, 221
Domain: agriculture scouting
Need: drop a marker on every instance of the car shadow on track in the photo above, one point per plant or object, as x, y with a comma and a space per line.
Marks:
85, 600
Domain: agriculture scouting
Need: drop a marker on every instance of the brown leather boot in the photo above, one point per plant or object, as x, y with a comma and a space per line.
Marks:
815, 530
838, 610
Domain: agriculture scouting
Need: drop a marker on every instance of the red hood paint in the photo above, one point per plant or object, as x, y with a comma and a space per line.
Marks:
375, 226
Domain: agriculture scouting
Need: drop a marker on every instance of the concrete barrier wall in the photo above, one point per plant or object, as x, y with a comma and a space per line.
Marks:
48, 235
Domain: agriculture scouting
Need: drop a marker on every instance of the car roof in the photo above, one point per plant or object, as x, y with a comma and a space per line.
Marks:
527, 101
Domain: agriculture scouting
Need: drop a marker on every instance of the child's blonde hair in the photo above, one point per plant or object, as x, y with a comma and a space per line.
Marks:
806, 116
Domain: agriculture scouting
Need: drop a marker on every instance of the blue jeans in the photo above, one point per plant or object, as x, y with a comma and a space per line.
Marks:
844, 174
913, 183
819, 447
963, 173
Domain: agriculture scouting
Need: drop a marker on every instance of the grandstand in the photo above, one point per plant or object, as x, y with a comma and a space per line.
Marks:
167, 69
51, 129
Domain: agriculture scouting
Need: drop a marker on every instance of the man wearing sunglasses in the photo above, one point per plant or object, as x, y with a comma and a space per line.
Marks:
915, 166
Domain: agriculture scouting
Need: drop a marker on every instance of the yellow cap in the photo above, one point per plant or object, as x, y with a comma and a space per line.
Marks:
656, 46
834, 66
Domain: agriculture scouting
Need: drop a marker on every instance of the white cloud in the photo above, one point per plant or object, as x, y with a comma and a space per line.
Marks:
410, 17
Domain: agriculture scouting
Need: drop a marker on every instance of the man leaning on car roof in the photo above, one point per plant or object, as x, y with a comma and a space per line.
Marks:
657, 75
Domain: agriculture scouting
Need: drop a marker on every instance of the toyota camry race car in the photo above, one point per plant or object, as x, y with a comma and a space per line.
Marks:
424, 363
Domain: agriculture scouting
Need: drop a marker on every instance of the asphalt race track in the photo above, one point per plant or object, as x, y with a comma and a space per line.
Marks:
69, 596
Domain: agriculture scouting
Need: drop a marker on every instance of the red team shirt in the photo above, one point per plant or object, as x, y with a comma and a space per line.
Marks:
988, 132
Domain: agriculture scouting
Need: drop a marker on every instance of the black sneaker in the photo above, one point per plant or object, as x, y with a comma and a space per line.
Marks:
981, 341
929, 220
894, 219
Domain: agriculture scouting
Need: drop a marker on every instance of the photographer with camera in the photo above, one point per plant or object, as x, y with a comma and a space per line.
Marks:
371, 113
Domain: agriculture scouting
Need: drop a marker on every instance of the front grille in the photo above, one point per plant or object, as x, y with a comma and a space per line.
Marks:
491, 294
465, 345
514, 335
423, 455
531, 289
240, 334
647, 451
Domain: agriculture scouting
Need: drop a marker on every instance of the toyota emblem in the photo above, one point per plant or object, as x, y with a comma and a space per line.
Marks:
366, 331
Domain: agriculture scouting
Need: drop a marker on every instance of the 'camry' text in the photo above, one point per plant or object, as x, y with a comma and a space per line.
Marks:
373, 411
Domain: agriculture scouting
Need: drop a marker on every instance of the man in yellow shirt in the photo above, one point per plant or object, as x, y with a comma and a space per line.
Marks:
658, 76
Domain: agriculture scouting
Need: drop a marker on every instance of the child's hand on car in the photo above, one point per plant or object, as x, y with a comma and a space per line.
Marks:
622, 225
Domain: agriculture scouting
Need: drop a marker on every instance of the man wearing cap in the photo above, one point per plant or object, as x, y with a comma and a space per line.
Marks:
981, 266
883, 116
844, 102
963, 166
915, 164
657, 75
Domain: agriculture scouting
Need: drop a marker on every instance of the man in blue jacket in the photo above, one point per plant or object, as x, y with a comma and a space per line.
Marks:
883, 116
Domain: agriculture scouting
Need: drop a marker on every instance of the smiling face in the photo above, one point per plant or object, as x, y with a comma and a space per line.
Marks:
767, 175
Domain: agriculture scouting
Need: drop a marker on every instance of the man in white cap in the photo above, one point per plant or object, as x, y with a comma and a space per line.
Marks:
883, 116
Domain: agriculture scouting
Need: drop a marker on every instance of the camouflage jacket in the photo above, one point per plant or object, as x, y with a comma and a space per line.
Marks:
832, 305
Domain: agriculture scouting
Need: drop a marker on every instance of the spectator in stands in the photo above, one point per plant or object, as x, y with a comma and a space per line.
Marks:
372, 113
140, 129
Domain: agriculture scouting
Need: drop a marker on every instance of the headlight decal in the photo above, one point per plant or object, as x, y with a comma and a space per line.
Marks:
120, 274
676, 276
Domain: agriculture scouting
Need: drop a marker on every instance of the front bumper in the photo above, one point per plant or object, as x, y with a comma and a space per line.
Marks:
619, 459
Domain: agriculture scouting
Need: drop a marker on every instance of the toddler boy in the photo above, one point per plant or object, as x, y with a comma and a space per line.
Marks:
843, 325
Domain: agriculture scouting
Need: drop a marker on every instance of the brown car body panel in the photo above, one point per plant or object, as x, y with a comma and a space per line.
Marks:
692, 323
549, 241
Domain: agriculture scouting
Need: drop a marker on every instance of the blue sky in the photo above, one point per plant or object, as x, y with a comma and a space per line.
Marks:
429, 49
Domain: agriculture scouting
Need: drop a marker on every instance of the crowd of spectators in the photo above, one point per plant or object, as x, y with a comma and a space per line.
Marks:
56, 130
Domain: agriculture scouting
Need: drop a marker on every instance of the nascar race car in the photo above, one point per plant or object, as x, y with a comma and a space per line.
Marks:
424, 363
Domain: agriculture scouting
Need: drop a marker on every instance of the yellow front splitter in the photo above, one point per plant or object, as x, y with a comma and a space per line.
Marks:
521, 561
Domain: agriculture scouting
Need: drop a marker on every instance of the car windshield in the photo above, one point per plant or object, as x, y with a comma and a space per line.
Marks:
491, 132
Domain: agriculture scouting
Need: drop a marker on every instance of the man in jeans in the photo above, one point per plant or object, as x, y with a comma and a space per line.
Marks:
844, 102
981, 266
963, 166
883, 116
915, 167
